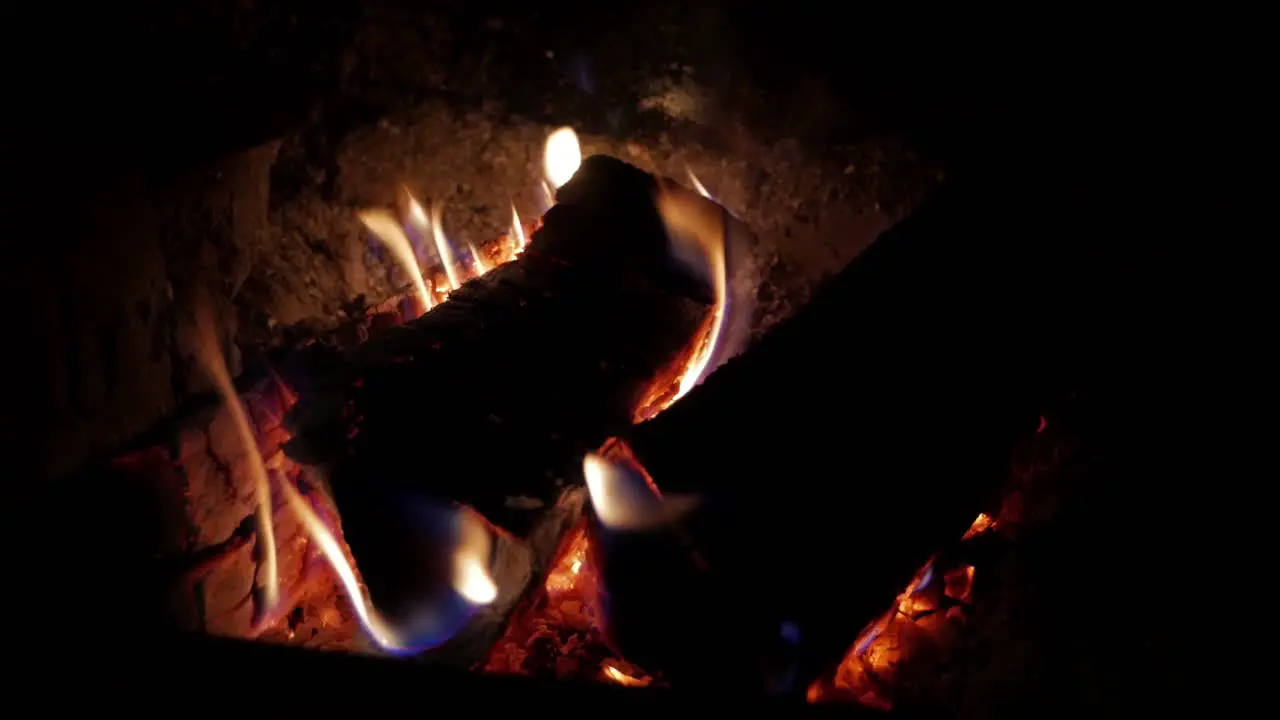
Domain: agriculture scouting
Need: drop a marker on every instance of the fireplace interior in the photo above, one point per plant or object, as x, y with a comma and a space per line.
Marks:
660, 355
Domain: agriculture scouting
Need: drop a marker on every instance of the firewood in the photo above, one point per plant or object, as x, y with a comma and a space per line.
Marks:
836, 455
499, 391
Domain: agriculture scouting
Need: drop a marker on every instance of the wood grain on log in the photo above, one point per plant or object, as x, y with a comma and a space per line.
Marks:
499, 391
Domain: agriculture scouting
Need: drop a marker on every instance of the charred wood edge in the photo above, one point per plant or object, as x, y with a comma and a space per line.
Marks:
606, 198
947, 293
182, 567
520, 570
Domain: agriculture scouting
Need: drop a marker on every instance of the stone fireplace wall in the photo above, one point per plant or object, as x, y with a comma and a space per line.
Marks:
251, 194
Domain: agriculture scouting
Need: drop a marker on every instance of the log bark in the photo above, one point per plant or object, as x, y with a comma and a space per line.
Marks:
499, 391
849, 444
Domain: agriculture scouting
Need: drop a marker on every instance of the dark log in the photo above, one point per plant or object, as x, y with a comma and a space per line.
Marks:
847, 446
499, 391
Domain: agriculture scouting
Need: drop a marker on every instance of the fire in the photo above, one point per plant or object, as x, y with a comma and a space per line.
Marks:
564, 613
517, 231
561, 156
697, 228
443, 247
697, 184
384, 227
612, 672
477, 262
713, 248
470, 579
560, 630
561, 159
210, 357
624, 497
563, 618
935, 597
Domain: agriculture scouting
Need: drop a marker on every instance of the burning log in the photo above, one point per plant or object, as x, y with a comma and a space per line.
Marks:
835, 456
498, 392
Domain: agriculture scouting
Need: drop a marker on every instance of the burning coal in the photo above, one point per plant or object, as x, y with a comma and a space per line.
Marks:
937, 596
566, 609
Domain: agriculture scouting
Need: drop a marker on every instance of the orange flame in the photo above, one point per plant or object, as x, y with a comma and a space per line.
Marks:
385, 227
210, 357
612, 672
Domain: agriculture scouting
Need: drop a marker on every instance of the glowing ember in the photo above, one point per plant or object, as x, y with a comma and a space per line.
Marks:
714, 254
210, 356
559, 632
934, 598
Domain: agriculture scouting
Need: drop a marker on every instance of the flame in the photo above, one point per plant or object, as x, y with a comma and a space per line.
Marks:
385, 227
210, 357
417, 215
470, 579
561, 156
477, 262
697, 227
442, 246
625, 498
612, 672
517, 231
714, 249
697, 184
475, 544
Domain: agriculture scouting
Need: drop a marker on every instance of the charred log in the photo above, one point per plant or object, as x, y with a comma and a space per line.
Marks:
499, 392
845, 448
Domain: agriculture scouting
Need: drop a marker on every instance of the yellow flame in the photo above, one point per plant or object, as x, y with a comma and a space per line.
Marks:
624, 500
388, 231
417, 215
443, 247
470, 578
705, 223
481, 267
622, 678
561, 156
697, 184
209, 355
517, 229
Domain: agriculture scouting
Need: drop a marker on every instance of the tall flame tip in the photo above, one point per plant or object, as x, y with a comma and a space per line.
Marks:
562, 155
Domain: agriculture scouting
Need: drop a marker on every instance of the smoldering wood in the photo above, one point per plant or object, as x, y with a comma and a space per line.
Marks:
501, 390
856, 439
519, 568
